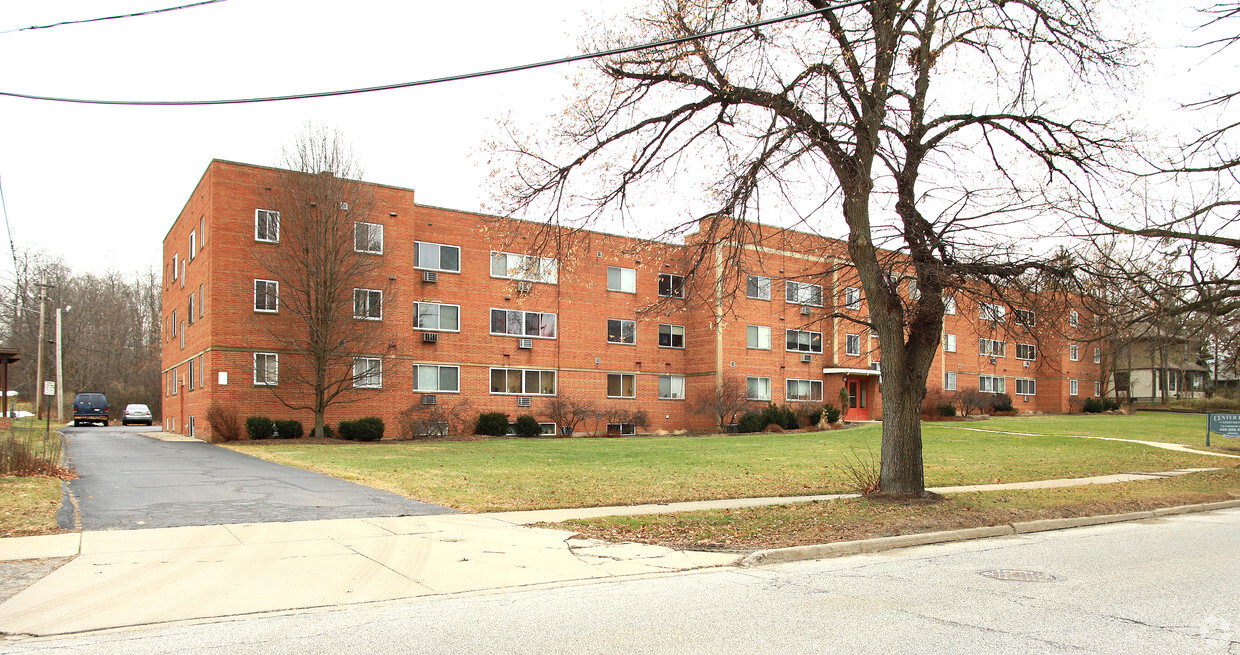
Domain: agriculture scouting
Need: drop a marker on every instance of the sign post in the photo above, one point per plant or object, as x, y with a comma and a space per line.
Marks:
49, 390
1227, 425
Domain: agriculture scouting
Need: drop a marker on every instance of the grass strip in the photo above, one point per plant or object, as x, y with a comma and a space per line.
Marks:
853, 519
28, 506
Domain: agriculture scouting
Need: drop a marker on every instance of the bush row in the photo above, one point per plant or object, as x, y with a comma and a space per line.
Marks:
262, 427
786, 417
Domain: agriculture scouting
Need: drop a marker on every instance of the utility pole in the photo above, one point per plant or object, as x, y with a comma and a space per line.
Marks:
60, 383
38, 368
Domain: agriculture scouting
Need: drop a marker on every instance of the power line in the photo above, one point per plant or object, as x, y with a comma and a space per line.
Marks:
96, 20
8, 227
440, 80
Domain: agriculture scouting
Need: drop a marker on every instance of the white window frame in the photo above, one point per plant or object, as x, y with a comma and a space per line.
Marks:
673, 291
193, 244
555, 381
529, 268
269, 380
949, 381
813, 385
439, 368
621, 376
202, 303
491, 322
949, 343
1020, 316
949, 305
369, 229
276, 299
190, 309
369, 295
417, 256
852, 297
623, 322
548, 428
992, 312
623, 428
793, 291
1074, 318
991, 347
749, 395
176, 266
417, 316
1097, 355
1030, 385
758, 281
852, 345
273, 220
1097, 389
913, 292
1074, 387
993, 384
798, 349
360, 380
671, 336
1031, 353
672, 380
1074, 352
627, 280
757, 331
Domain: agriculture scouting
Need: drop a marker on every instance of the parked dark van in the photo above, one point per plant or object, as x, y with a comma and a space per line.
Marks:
90, 407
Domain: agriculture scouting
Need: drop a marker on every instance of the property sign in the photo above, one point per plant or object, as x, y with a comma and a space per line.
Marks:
49, 387
1227, 425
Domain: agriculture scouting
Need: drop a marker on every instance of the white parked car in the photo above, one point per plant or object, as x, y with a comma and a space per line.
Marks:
136, 413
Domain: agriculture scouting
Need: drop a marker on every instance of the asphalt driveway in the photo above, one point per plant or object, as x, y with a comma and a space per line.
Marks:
127, 481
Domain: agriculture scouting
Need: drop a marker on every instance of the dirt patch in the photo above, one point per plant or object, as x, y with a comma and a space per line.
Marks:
17, 575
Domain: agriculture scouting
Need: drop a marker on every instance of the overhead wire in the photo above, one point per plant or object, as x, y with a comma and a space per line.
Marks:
103, 18
450, 78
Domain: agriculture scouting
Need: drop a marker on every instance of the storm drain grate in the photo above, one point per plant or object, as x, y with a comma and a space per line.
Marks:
1019, 576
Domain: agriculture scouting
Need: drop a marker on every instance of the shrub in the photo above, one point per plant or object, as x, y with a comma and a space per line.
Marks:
750, 422
1092, 406
1109, 404
363, 429
832, 412
225, 426
527, 426
1001, 402
946, 409
971, 400
494, 424
288, 429
259, 427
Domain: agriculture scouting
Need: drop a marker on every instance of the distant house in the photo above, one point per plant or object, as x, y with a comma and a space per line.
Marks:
1150, 364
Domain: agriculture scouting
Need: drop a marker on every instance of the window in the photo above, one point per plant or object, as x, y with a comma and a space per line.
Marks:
621, 279
804, 341
757, 388
804, 390
202, 232
621, 331
367, 373
266, 225
758, 287
1027, 387
174, 322
671, 286
801, 293
436, 379
913, 292
1026, 351
193, 245
758, 337
176, 267
436, 257
1074, 353
266, 369
949, 381
990, 384
1073, 387
1025, 317
852, 297
266, 296
182, 329
1097, 355
1097, 389
621, 385
548, 429
621, 428
202, 302
525, 267
190, 312
949, 305
1074, 318
436, 316
523, 382
991, 312
368, 304
852, 344
949, 343
991, 347
671, 336
191, 375
368, 237
523, 324
672, 387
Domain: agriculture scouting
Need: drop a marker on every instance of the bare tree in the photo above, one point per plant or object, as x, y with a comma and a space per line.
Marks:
925, 108
724, 401
330, 287
569, 411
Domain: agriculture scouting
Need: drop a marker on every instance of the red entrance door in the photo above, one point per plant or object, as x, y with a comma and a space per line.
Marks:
857, 409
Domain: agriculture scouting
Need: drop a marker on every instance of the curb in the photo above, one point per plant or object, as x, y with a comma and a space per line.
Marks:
845, 548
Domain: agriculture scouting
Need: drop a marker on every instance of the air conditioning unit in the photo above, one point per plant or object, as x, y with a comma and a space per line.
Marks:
523, 401
805, 310
994, 360
430, 337
1026, 398
525, 343
430, 276
806, 357
344, 206
429, 399
1026, 363
525, 287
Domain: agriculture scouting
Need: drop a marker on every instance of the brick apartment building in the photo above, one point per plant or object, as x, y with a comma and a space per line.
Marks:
491, 312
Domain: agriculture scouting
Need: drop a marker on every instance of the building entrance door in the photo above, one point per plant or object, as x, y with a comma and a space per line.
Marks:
857, 406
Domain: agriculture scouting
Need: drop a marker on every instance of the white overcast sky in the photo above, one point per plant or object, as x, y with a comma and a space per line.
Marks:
101, 185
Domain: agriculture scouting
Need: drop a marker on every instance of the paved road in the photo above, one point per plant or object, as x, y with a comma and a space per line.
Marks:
1166, 586
128, 481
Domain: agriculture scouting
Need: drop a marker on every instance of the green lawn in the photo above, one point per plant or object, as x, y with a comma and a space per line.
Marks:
513, 474
28, 506
1188, 429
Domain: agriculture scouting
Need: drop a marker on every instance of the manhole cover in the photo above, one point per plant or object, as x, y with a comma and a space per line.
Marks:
1019, 576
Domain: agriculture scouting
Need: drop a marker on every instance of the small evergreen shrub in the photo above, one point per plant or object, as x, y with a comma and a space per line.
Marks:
751, 422
1092, 406
493, 424
363, 429
1001, 402
832, 412
946, 409
1109, 405
527, 426
259, 427
288, 429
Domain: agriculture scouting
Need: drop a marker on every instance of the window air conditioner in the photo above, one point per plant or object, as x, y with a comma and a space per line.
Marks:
430, 337
1026, 363
523, 401
344, 206
525, 287
429, 399
430, 276
1026, 398
525, 343
805, 310
994, 360
806, 357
